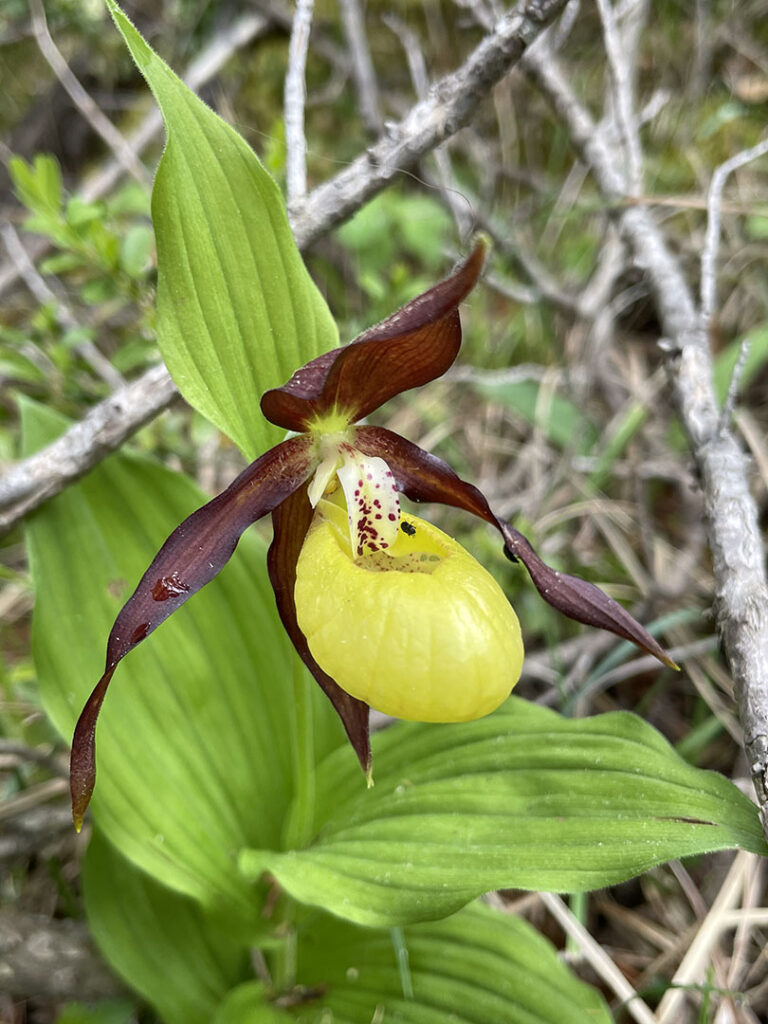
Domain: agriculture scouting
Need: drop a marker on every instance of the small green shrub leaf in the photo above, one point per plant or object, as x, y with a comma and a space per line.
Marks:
521, 799
237, 309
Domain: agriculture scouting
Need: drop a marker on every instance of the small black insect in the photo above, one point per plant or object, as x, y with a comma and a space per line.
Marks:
407, 528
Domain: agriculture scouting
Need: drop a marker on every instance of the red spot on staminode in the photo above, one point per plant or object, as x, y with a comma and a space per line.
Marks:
391, 517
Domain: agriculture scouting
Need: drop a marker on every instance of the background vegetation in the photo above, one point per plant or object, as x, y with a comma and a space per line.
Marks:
559, 408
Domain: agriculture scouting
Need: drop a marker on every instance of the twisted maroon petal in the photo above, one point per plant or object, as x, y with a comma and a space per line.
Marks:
411, 347
291, 521
424, 477
194, 553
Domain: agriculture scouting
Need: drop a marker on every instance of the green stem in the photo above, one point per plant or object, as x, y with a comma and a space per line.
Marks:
300, 825
401, 955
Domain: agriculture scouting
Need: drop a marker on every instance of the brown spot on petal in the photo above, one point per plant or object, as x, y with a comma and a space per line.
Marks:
169, 586
139, 633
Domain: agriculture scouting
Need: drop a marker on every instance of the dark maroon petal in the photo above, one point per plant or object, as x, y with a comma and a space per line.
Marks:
194, 553
294, 404
579, 599
424, 477
291, 521
411, 347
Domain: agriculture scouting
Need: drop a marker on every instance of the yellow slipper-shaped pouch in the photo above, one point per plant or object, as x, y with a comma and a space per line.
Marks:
420, 631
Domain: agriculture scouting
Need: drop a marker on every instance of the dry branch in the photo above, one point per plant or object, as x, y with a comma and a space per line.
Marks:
732, 524
293, 110
29, 483
362, 65
450, 106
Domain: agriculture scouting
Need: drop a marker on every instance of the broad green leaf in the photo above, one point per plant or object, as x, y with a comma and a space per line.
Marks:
164, 945
194, 742
521, 799
237, 310
477, 967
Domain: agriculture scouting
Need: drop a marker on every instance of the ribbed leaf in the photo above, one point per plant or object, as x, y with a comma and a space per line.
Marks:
164, 945
475, 968
194, 743
523, 798
237, 310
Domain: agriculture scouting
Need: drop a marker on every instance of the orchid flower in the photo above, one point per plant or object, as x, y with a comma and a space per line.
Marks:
384, 609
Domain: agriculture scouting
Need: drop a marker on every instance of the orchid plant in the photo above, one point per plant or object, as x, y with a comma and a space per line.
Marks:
230, 815
385, 610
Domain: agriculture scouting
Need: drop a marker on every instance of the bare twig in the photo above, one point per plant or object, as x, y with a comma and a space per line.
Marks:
294, 97
90, 110
42, 755
733, 386
417, 67
66, 318
104, 428
734, 537
712, 243
362, 65
697, 958
450, 105
622, 95
598, 959
33, 796
200, 71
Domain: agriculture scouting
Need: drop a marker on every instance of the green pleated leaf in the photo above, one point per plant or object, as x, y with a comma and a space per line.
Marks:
237, 310
478, 967
194, 742
523, 798
163, 945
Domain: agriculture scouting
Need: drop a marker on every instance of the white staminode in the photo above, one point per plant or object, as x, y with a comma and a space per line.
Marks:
373, 507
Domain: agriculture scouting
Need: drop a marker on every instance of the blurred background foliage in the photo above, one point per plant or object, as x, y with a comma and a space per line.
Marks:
558, 409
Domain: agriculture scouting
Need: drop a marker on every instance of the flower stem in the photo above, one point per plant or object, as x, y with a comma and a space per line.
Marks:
300, 824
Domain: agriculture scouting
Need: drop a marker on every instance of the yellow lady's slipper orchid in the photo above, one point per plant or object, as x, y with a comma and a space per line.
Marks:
403, 621
420, 630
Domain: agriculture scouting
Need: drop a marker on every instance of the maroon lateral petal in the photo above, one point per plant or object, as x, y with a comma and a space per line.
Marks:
411, 347
194, 553
291, 520
424, 477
